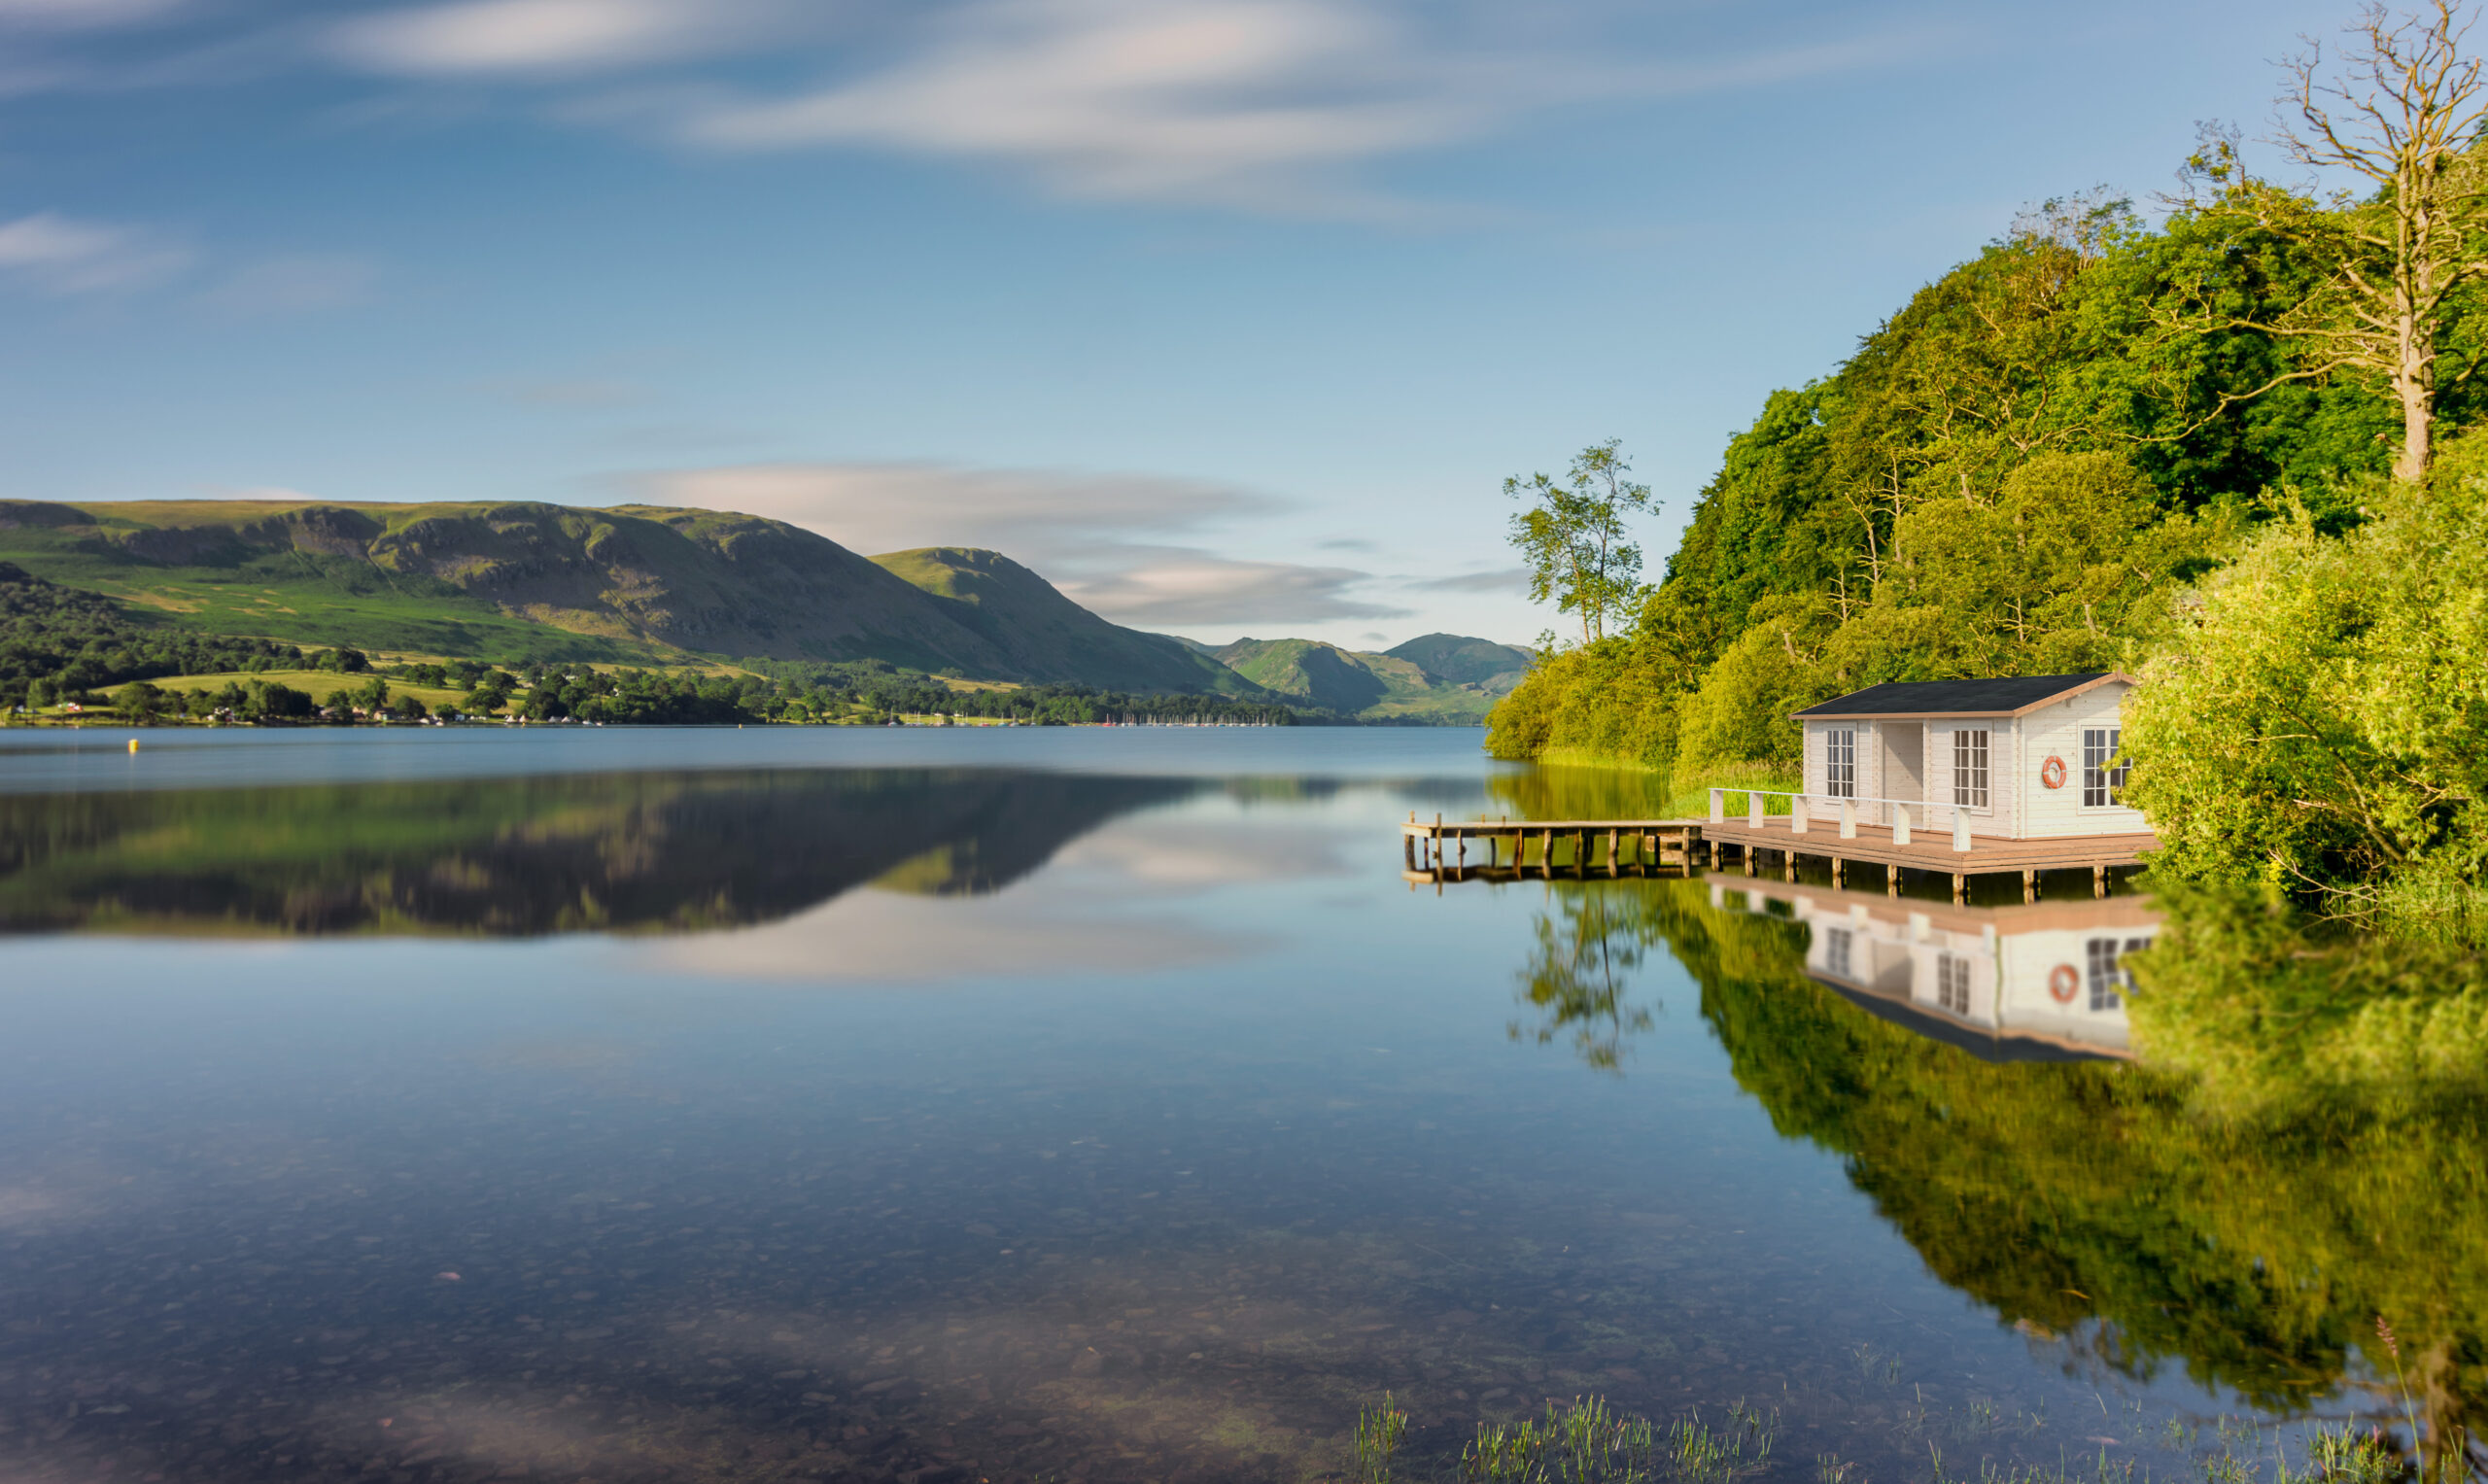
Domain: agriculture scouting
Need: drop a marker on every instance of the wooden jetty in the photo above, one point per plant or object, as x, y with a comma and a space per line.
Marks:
1513, 848
1510, 850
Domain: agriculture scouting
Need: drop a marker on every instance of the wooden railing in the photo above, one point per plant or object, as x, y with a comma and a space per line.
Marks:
1897, 813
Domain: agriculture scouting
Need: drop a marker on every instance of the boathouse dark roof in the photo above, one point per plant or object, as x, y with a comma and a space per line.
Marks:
2011, 697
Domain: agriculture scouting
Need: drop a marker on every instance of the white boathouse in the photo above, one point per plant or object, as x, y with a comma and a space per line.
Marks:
2031, 758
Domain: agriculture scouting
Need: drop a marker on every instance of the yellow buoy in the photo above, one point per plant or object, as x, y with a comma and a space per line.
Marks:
133, 744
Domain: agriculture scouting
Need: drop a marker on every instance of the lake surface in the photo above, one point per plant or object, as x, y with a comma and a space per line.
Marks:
1074, 1104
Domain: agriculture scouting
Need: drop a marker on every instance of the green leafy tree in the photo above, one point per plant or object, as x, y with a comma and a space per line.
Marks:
1576, 537
2403, 264
143, 703
273, 701
2315, 723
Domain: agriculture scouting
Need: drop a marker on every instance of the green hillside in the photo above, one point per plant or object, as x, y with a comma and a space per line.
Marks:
524, 582
1453, 660
1044, 635
1372, 687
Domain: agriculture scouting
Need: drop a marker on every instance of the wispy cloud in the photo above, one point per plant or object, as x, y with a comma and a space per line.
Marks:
894, 507
79, 15
1182, 587
1128, 546
511, 37
1262, 105
1512, 579
1233, 100
58, 253
297, 284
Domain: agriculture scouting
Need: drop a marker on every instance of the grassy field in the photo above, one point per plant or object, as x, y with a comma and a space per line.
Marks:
319, 684
924, 719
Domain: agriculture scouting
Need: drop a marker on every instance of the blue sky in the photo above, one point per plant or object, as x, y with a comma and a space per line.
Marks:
1231, 316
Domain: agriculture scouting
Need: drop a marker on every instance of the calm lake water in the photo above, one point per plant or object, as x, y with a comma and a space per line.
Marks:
787, 1104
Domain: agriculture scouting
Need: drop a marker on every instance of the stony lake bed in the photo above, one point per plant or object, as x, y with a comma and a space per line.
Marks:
1029, 1104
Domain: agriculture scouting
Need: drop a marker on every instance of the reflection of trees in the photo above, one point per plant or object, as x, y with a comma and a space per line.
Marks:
1580, 975
1553, 792
2113, 1205
645, 852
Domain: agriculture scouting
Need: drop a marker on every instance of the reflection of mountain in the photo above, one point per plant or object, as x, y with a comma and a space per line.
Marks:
512, 857
2095, 1201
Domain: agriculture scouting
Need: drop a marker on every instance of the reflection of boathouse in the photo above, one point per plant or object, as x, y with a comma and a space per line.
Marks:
2010, 982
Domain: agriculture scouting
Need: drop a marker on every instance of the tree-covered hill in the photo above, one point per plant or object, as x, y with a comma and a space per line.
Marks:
1999, 480
2096, 444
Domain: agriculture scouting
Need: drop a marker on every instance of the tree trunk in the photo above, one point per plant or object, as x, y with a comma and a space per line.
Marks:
2414, 385
2411, 467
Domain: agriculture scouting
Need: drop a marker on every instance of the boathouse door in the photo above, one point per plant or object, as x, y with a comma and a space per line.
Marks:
1904, 760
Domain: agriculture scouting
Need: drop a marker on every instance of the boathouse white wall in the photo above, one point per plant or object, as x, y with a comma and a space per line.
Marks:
2020, 806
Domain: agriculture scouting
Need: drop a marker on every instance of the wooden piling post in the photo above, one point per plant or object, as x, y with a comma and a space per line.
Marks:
1839, 872
1748, 860
1790, 858
1892, 880
1960, 890
2099, 880
2030, 887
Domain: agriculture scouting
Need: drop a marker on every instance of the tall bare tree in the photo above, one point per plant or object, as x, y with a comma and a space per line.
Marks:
2403, 111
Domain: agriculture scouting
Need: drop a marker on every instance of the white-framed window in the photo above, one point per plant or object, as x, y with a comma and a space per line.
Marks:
1969, 768
2110, 980
1840, 762
1836, 946
1952, 982
2103, 772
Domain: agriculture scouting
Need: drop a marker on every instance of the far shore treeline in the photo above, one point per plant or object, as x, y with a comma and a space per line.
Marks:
2241, 453
61, 648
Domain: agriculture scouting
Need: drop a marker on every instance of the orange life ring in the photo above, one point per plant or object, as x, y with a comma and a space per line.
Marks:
2052, 772
2062, 982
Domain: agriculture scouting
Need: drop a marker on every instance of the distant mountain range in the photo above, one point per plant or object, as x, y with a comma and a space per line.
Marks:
657, 585
1440, 675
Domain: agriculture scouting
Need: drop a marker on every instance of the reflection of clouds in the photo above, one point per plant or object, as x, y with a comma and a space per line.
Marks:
72, 1190
880, 935
515, 1432
23, 1206
1174, 853
1076, 916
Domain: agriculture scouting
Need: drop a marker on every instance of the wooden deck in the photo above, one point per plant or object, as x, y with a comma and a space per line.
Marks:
1443, 848
1933, 853
1525, 844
